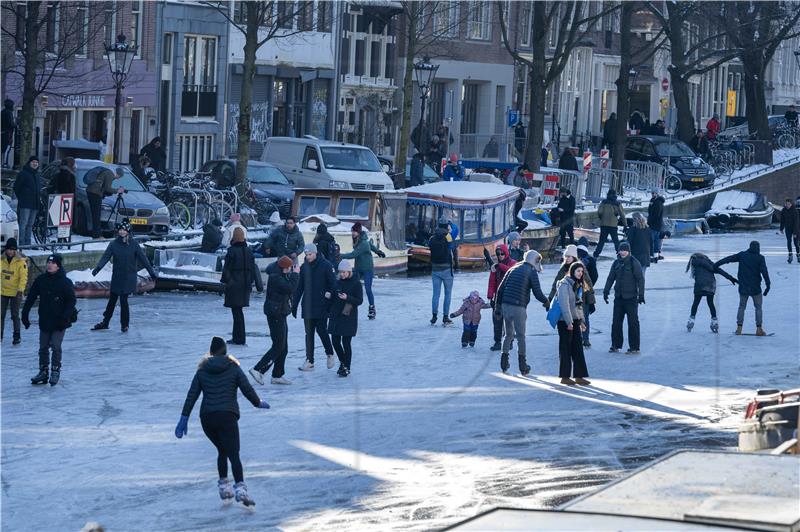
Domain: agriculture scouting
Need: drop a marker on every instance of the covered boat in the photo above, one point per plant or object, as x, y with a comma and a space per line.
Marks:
538, 233
770, 420
739, 209
483, 213
90, 286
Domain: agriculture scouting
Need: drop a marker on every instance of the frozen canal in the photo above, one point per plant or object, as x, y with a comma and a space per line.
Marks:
422, 434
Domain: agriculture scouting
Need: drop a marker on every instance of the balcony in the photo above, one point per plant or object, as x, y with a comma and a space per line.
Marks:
199, 101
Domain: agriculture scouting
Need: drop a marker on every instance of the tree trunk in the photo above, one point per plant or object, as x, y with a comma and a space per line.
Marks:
29, 94
756, 109
683, 104
677, 71
533, 155
246, 98
408, 106
623, 94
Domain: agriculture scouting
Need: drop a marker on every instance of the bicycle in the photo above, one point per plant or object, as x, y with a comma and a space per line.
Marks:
788, 137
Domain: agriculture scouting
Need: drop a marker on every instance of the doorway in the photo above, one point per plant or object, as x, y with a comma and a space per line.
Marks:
57, 126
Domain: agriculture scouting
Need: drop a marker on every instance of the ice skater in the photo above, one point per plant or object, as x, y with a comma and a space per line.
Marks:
571, 290
15, 280
219, 377
315, 288
343, 315
238, 275
703, 270
627, 279
752, 268
441, 271
364, 265
497, 272
470, 311
790, 226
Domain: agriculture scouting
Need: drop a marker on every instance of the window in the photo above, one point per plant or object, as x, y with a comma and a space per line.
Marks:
324, 15
524, 23
479, 20
136, 25
51, 31
445, 19
310, 205
199, 98
311, 155
82, 14
353, 159
110, 23
360, 67
194, 150
375, 59
487, 216
469, 230
353, 208
305, 16
22, 17
166, 57
285, 14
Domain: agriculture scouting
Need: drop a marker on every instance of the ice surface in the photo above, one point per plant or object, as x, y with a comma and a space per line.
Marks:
421, 435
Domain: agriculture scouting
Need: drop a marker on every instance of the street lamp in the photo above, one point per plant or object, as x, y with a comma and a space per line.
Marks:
632, 73
120, 57
425, 73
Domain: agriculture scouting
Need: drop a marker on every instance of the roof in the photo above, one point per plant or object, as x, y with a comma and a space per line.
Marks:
463, 191
251, 162
317, 142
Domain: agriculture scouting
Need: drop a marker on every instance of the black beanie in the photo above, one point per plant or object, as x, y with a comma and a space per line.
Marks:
56, 258
218, 346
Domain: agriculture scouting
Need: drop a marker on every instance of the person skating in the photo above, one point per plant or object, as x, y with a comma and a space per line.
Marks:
790, 226
570, 299
286, 240
591, 272
752, 268
56, 297
655, 221
126, 255
497, 272
641, 241
27, 189
281, 284
566, 217
316, 286
611, 214
15, 281
441, 271
343, 315
627, 280
513, 297
218, 378
364, 265
238, 275
515, 248
703, 270
326, 244
470, 311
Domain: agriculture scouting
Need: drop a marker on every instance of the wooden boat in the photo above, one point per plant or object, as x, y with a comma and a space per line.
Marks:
738, 209
88, 286
539, 232
483, 213
770, 420
190, 269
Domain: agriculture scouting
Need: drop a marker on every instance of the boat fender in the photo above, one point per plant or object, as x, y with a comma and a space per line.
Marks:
724, 220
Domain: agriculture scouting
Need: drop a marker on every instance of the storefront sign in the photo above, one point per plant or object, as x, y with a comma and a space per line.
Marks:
730, 105
83, 100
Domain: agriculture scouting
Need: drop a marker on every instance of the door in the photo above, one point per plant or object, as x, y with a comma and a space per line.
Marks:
310, 174
57, 127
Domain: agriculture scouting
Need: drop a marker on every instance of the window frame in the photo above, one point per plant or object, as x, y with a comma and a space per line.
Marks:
52, 28
485, 29
83, 7
137, 10
446, 9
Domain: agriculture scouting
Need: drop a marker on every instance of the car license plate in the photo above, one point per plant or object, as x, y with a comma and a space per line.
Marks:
697, 180
138, 221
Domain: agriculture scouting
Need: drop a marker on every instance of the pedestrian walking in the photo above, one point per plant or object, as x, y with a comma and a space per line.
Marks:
441, 271
343, 315
752, 269
790, 227
497, 271
591, 275
15, 281
281, 284
239, 273
703, 271
316, 286
212, 236
570, 325
126, 256
99, 183
640, 239
8, 126
219, 378
156, 153
286, 240
610, 131
470, 311
655, 221
56, 297
27, 189
515, 248
364, 265
513, 297
567, 160
566, 217
234, 223
326, 244
64, 182
627, 280
611, 215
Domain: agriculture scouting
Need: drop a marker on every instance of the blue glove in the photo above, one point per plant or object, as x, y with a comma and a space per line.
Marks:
263, 404
180, 429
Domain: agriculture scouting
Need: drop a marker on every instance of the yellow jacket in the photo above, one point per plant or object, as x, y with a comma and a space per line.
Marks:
15, 274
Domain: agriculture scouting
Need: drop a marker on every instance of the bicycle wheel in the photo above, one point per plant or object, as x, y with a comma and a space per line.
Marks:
179, 215
786, 141
264, 209
202, 215
672, 184
222, 209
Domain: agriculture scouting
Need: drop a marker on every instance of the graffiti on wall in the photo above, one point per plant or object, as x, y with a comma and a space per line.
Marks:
319, 112
260, 124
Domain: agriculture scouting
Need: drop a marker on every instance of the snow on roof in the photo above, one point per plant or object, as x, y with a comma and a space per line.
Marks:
733, 199
463, 190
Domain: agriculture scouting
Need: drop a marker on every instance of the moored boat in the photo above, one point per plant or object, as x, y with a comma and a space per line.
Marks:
739, 209
770, 420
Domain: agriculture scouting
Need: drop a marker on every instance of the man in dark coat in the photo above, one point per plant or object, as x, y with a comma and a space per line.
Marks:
587, 259
611, 214
520, 139
628, 281
640, 241
285, 239
699, 144
417, 170
101, 184
56, 307
156, 154
636, 120
64, 182
610, 131
655, 221
27, 189
326, 244
212, 236
127, 255
752, 268
315, 288
790, 226
343, 315
238, 275
7, 125
566, 217
567, 161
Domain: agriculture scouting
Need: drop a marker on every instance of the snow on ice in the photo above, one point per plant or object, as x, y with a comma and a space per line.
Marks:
421, 435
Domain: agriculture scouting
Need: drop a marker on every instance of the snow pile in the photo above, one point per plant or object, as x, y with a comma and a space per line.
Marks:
728, 200
462, 190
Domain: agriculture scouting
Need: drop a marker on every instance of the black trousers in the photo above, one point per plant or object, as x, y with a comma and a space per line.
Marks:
125, 311
342, 346
566, 230
50, 340
239, 334
279, 332
222, 428
318, 325
497, 322
572, 363
791, 236
625, 308
94, 207
709, 300
13, 302
604, 233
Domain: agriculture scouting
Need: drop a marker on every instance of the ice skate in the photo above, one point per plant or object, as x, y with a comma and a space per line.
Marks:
343, 371
280, 380
613, 349
587, 344
760, 331
690, 324
124, 329
242, 497
371, 314
257, 375
330, 361
55, 374
16, 341
41, 377
789, 260
738, 330
433, 319
102, 326
632, 352
472, 344
307, 366
714, 325
524, 368
225, 490
504, 365
446, 321
495, 347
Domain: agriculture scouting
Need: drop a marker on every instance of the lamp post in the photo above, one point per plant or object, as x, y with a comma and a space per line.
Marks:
425, 73
120, 57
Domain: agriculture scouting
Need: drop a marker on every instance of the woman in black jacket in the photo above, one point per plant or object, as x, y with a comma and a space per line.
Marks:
703, 270
219, 377
281, 284
640, 240
343, 315
238, 275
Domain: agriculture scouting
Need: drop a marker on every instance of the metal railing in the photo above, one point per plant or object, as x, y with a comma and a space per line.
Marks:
479, 146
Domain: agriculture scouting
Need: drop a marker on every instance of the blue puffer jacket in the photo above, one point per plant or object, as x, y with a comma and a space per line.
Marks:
518, 284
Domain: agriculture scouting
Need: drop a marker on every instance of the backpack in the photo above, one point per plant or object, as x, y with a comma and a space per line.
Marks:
90, 178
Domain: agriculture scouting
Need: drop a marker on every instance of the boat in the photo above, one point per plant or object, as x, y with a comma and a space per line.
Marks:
739, 209
690, 226
190, 269
538, 233
99, 286
771, 420
483, 213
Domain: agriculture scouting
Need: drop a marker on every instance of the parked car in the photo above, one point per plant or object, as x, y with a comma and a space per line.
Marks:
684, 163
147, 213
9, 227
314, 163
266, 181
429, 175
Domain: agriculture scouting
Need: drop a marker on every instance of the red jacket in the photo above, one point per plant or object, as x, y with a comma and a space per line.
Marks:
712, 128
496, 276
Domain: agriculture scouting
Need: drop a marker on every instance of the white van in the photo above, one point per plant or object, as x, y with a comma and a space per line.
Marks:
314, 163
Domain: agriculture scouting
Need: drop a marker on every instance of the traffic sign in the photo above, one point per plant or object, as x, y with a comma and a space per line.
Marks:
665, 84
513, 117
60, 208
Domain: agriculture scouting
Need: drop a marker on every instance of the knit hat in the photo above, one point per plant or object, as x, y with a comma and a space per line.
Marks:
443, 222
345, 266
571, 251
533, 258
284, 262
583, 248
11, 243
310, 248
512, 236
124, 224
624, 246
55, 258
322, 229
474, 294
33, 158
218, 346
655, 190
356, 228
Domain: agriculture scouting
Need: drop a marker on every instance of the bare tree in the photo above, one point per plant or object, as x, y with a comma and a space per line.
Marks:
548, 60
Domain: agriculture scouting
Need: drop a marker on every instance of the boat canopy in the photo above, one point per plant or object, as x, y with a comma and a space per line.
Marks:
461, 194
728, 200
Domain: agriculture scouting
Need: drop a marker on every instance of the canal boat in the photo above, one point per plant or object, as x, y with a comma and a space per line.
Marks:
739, 209
771, 420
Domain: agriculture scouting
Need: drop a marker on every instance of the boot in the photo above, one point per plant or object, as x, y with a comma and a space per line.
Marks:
446, 321
495, 346
789, 260
582, 381
760, 331
240, 492
690, 324
473, 335
41, 377
16, 340
433, 319
464, 339
568, 381
524, 368
714, 325
331, 361
738, 330
307, 366
225, 490
371, 314
55, 374
504, 365
102, 326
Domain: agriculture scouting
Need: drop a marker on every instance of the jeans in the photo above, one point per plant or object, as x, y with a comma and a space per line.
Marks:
95, 201
222, 428
368, 277
342, 346
566, 230
757, 302
514, 318
655, 241
790, 236
470, 333
239, 335
279, 332
439, 277
604, 233
572, 363
709, 300
48, 340
26, 219
317, 325
125, 314
625, 308
14, 302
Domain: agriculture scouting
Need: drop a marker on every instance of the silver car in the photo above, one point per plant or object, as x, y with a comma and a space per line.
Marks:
147, 213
